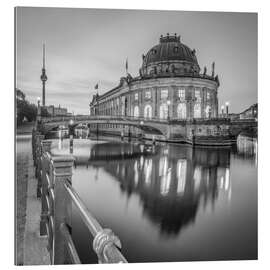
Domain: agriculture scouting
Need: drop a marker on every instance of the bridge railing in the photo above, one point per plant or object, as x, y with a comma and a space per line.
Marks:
139, 119
54, 175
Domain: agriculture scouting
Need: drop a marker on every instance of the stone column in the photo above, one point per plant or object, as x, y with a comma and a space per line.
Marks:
141, 103
62, 172
155, 101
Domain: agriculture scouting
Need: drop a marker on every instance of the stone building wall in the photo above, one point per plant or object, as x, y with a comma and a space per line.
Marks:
123, 101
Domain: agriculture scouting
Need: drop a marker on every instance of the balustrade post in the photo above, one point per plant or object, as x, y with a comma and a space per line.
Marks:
33, 144
45, 163
62, 172
39, 165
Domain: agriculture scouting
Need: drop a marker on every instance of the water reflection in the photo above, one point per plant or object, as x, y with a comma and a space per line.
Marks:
248, 147
166, 201
171, 184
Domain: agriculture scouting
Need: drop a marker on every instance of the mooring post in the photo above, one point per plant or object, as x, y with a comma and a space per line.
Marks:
45, 211
62, 172
71, 144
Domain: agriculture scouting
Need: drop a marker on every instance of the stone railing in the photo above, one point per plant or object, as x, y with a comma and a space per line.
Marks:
54, 188
140, 119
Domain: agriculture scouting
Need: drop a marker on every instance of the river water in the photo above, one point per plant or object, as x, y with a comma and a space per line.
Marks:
167, 202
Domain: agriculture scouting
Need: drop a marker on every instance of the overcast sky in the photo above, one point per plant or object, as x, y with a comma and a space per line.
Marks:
89, 46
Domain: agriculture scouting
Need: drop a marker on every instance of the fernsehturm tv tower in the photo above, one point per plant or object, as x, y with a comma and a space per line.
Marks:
43, 77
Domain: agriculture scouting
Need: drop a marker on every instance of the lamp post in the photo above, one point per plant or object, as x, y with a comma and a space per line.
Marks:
227, 108
168, 103
222, 111
141, 124
71, 136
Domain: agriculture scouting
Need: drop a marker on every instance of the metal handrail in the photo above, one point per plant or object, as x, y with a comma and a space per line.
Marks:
71, 247
105, 243
91, 223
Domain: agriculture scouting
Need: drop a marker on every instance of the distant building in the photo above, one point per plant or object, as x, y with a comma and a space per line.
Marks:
56, 111
250, 113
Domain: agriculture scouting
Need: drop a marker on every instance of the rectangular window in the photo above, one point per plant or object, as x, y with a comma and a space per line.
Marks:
148, 94
182, 94
164, 94
208, 95
198, 95
136, 96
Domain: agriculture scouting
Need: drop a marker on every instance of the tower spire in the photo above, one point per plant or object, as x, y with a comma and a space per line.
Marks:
44, 55
43, 76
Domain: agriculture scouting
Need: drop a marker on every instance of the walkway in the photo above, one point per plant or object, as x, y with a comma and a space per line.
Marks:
30, 247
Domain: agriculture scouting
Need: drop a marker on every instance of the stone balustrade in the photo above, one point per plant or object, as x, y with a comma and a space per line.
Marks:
54, 188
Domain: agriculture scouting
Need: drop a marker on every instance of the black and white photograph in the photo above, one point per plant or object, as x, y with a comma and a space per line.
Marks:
136, 136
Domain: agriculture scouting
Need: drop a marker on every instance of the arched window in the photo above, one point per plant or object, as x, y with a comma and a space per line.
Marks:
208, 111
182, 111
163, 111
136, 111
148, 111
197, 110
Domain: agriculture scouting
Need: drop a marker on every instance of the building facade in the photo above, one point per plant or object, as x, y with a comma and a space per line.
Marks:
56, 111
170, 85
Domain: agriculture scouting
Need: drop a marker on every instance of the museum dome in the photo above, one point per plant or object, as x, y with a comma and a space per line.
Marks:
170, 48
171, 52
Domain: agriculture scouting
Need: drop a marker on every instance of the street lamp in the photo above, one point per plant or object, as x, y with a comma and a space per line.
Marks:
227, 108
168, 103
141, 123
71, 122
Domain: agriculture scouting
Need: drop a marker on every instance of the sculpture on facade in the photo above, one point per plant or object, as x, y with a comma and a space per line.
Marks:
213, 69
140, 72
204, 71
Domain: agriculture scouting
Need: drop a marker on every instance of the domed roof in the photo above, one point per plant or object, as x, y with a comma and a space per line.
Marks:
170, 48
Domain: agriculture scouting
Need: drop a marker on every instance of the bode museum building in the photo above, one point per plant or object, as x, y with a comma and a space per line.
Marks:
170, 86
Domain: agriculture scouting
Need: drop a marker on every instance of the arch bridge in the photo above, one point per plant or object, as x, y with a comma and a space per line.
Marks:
148, 125
171, 129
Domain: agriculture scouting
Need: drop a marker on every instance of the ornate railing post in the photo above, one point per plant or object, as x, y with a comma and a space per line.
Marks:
45, 211
34, 145
38, 164
62, 172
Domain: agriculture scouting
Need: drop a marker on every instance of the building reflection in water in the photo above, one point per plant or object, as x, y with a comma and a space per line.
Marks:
171, 183
181, 175
248, 147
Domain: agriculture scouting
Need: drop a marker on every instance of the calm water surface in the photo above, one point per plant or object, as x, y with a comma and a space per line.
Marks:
168, 202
